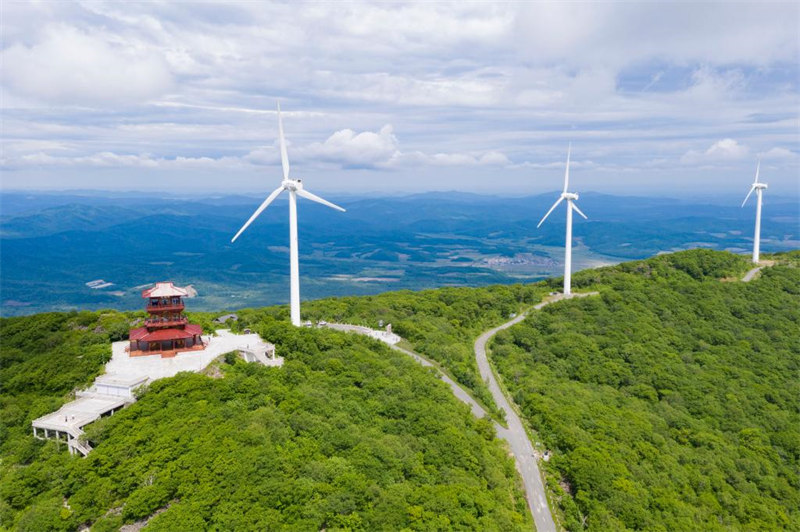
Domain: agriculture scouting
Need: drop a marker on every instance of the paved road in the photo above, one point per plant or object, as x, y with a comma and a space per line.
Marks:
750, 275
515, 434
458, 391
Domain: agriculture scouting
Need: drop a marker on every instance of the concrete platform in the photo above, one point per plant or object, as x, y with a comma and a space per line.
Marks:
78, 413
384, 336
155, 367
124, 374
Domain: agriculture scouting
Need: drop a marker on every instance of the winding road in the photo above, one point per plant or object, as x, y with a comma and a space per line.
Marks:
750, 275
515, 434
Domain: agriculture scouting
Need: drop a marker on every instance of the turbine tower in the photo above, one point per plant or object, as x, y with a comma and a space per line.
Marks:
295, 188
571, 197
759, 188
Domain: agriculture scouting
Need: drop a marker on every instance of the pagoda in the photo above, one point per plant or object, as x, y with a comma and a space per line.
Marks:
166, 330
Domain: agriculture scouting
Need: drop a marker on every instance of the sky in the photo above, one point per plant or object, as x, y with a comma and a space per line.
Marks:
676, 99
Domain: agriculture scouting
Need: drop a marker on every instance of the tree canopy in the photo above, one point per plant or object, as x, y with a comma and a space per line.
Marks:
348, 435
670, 400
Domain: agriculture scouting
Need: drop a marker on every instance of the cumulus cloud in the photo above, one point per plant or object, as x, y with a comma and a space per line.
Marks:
344, 148
355, 149
418, 158
75, 67
778, 153
109, 159
472, 87
722, 150
726, 149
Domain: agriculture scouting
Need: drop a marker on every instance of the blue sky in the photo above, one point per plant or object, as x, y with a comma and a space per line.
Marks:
657, 98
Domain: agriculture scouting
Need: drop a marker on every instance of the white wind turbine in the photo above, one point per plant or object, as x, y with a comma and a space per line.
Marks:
295, 188
571, 197
759, 188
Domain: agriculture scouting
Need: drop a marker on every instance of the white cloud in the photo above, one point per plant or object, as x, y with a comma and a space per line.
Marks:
357, 149
623, 33
418, 158
722, 150
778, 153
115, 160
726, 149
344, 148
468, 87
74, 67
382, 150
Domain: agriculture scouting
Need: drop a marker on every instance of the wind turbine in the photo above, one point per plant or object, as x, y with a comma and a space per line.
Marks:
295, 188
571, 197
759, 188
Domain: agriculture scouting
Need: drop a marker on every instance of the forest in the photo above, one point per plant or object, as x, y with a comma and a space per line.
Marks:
348, 435
670, 400
440, 324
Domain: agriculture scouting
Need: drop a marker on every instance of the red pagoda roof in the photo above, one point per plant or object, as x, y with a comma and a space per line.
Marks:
194, 329
164, 289
164, 334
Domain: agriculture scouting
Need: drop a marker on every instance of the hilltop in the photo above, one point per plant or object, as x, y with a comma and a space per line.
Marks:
667, 401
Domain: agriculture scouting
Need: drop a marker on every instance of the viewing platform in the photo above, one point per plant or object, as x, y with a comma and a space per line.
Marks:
66, 424
386, 335
165, 322
166, 307
125, 374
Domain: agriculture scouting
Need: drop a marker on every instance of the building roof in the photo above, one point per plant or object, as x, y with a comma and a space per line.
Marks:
137, 334
164, 334
194, 329
127, 381
164, 289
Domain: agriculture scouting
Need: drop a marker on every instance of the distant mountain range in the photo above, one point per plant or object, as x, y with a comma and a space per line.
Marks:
51, 245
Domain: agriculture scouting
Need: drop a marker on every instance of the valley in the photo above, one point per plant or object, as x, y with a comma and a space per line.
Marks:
56, 244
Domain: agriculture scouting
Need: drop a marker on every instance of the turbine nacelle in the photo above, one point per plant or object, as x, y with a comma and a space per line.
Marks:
292, 184
760, 185
571, 197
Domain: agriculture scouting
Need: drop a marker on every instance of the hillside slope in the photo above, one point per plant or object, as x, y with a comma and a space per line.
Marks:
669, 401
347, 435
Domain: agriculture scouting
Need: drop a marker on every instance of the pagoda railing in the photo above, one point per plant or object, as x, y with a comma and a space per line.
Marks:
165, 307
166, 322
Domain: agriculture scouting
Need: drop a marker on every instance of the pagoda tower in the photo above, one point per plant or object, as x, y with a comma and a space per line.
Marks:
166, 330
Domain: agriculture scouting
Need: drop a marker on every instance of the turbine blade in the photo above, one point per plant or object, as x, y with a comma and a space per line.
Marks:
284, 156
559, 200
758, 167
572, 203
752, 188
308, 195
566, 174
261, 208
